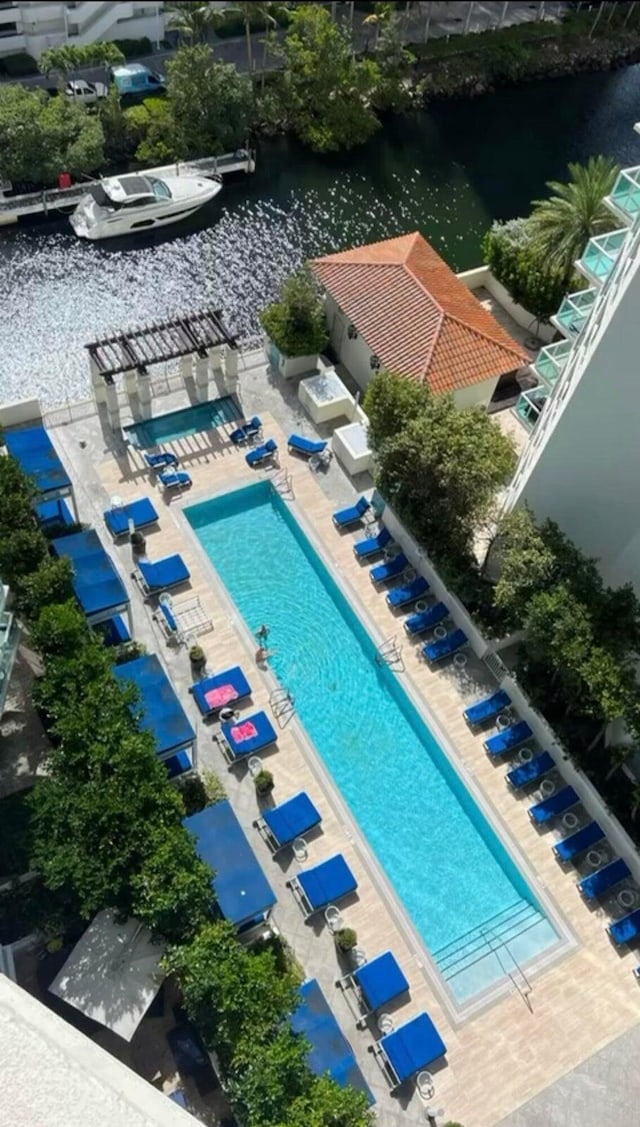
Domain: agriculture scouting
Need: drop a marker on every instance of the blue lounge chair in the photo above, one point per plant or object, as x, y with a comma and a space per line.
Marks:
550, 807
306, 446
355, 513
373, 545
508, 739
168, 620
220, 690
246, 736
141, 513
572, 846
246, 432
625, 929
596, 884
485, 710
163, 574
377, 983
408, 593
409, 1049
324, 884
175, 479
284, 823
530, 772
160, 461
426, 619
263, 453
391, 569
445, 647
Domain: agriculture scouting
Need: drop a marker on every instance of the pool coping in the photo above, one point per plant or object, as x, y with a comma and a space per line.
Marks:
457, 1012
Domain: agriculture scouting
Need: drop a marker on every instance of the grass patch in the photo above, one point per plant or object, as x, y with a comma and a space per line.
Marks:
15, 834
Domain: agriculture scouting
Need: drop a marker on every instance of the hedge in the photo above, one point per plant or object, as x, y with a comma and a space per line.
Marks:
132, 48
233, 26
16, 66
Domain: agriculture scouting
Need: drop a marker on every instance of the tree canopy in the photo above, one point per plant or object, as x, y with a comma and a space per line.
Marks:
562, 225
326, 93
42, 136
296, 322
211, 103
515, 260
68, 58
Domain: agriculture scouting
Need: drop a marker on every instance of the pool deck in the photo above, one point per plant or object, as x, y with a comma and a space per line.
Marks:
503, 1056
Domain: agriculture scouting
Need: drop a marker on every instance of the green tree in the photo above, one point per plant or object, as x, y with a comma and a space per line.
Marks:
120, 141
212, 103
49, 583
172, 892
266, 1079
562, 225
21, 136
73, 137
326, 1104
524, 561
390, 402
61, 629
295, 322
41, 136
69, 58
516, 262
21, 552
151, 130
192, 19
230, 991
326, 93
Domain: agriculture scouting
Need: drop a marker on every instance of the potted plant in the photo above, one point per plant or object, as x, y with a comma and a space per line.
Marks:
346, 939
264, 783
295, 326
198, 658
138, 542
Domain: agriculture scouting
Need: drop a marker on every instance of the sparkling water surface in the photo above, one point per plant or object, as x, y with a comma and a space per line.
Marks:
443, 859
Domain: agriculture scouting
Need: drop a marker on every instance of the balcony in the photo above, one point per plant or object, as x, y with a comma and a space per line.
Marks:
625, 197
600, 255
530, 406
573, 314
551, 360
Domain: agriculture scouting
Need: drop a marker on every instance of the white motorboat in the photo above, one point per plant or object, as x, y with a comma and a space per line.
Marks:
122, 205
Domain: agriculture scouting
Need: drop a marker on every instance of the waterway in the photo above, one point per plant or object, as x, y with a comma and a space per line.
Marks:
447, 173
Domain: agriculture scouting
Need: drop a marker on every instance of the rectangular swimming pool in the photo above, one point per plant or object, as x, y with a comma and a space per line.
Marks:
180, 424
465, 895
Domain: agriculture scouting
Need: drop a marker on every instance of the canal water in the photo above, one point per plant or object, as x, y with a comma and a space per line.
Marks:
447, 173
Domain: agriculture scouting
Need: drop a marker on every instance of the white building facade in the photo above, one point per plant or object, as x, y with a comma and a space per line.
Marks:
581, 466
33, 27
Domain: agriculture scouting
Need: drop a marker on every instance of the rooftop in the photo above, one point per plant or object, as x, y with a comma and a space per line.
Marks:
416, 315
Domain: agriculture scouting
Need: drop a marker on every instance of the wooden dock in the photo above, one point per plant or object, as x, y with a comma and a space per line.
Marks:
63, 200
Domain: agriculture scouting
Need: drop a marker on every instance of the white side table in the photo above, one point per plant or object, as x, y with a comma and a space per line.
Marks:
254, 766
570, 821
333, 919
440, 632
460, 660
385, 1023
300, 851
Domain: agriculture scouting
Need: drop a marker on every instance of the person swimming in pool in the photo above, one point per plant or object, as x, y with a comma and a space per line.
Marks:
263, 654
262, 633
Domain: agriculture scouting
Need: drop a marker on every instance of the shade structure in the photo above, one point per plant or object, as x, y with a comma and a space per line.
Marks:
161, 711
113, 974
330, 1051
380, 981
243, 892
413, 1046
96, 583
34, 451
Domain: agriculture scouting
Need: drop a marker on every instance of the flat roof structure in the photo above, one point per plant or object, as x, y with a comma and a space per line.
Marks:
96, 583
144, 345
36, 455
161, 711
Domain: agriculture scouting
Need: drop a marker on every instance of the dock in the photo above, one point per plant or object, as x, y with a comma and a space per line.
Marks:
63, 200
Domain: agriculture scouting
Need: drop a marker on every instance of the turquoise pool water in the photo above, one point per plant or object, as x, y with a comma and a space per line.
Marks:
180, 424
462, 890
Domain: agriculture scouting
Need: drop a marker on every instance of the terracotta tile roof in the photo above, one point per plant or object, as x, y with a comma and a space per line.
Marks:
416, 315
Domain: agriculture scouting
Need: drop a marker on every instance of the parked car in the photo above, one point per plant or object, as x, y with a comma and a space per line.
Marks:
88, 93
134, 78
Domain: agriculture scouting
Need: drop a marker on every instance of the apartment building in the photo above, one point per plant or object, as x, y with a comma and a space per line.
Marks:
32, 27
581, 465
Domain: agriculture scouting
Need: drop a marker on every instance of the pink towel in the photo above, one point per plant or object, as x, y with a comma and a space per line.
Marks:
220, 696
244, 731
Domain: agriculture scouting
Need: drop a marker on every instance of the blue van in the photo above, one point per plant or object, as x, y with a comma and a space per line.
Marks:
133, 78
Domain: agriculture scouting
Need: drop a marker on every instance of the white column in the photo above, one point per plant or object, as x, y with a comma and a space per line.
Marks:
97, 382
113, 410
131, 382
144, 389
186, 367
215, 358
202, 378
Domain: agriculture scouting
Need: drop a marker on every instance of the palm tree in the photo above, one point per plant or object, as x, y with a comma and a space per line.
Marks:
192, 19
562, 225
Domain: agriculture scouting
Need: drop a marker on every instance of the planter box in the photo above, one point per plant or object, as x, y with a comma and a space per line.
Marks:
289, 366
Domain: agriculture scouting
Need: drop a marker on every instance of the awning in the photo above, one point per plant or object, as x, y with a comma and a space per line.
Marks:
113, 974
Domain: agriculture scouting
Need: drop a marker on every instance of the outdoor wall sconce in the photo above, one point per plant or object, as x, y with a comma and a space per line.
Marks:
352, 332
374, 361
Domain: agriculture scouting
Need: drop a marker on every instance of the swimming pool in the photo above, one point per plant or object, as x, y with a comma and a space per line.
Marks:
463, 892
180, 424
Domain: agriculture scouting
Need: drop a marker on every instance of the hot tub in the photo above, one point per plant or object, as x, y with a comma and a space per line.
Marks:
324, 397
351, 447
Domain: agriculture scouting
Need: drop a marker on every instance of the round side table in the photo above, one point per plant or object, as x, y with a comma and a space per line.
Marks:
570, 821
385, 1023
460, 660
440, 632
300, 851
626, 898
254, 766
547, 788
525, 755
333, 919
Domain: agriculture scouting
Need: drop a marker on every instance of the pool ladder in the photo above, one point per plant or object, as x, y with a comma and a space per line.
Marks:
390, 653
516, 975
282, 482
282, 705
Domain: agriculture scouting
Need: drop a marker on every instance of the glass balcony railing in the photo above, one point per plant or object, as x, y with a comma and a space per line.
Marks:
573, 314
530, 405
551, 360
625, 197
601, 253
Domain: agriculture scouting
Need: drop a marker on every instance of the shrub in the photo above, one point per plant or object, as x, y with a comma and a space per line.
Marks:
17, 66
346, 939
129, 651
194, 793
264, 782
132, 48
197, 656
509, 252
296, 323
214, 788
50, 583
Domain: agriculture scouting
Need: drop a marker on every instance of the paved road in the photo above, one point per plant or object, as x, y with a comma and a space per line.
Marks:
444, 19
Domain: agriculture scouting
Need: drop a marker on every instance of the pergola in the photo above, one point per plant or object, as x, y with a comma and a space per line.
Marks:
137, 349
198, 340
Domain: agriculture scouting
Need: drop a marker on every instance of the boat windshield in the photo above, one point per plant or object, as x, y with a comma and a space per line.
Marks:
160, 190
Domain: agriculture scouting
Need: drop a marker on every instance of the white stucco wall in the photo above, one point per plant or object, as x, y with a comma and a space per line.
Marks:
478, 395
54, 1076
354, 354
